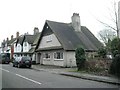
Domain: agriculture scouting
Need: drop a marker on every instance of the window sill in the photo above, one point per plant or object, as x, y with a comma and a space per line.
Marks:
58, 59
46, 59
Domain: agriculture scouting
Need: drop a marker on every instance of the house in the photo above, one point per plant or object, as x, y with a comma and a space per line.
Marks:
23, 46
5, 47
58, 42
27, 45
18, 46
11, 47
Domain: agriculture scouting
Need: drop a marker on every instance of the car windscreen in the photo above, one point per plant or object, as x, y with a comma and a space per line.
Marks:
5, 55
26, 58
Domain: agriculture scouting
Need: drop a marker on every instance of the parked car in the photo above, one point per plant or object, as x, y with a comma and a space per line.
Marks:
24, 61
5, 58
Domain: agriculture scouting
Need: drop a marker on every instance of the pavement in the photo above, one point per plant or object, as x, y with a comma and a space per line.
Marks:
69, 72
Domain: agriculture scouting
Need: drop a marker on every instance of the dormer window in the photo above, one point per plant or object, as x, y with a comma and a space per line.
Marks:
25, 44
49, 38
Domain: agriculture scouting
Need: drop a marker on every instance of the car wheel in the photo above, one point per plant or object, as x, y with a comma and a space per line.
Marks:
13, 65
29, 66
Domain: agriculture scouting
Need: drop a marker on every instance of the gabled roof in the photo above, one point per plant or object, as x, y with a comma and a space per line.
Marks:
3, 44
11, 41
37, 36
70, 39
29, 38
20, 40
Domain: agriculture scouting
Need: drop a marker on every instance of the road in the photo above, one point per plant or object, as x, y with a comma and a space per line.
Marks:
29, 78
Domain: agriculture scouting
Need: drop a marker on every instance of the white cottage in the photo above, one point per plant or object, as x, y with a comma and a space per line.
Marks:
58, 42
18, 46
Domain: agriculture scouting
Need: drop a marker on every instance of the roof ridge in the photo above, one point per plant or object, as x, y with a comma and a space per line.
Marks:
56, 22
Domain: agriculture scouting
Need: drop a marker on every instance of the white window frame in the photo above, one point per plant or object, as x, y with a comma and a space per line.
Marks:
18, 47
25, 44
55, 57
49, 38
44, 55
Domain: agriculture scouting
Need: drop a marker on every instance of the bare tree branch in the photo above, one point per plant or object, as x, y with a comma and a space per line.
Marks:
107, 25
114, 20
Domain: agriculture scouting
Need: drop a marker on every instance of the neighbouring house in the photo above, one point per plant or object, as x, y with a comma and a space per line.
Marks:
58, 42
7, 47
23, 46
18, 46
11, 46
27, 45
3, 46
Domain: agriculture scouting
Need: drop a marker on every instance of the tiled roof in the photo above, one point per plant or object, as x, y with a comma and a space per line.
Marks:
11, 41
20, 40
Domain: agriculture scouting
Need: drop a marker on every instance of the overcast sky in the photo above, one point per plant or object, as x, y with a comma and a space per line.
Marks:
24, 15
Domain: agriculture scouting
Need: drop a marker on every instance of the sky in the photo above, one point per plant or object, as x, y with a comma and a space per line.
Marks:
24, 15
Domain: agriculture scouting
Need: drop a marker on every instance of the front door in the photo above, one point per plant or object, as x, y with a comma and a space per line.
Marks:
38, 55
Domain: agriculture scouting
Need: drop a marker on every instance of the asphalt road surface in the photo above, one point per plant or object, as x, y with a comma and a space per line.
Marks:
29, 78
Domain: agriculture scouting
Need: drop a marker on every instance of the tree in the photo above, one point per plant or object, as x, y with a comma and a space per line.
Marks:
106, 35
102, 52
80, 58
115, 46
114, 19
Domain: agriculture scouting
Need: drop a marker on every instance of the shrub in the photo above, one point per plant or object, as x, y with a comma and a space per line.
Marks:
115, 49
102, 52
115, 66
115, 45
80, 58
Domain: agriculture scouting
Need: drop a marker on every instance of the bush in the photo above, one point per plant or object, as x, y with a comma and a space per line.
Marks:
102, 52
80, 58
115, 66
115, 49
115, 46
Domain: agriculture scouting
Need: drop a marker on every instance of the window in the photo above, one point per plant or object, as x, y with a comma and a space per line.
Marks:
58, 55
49, 38
25, 44
18, 48
47, 55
